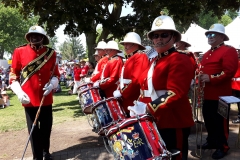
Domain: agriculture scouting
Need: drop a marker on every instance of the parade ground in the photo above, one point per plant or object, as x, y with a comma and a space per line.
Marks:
74, 140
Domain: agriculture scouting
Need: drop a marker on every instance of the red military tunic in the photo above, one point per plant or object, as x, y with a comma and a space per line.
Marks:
171, 80
131, 71
221, 65
110, 75
77, 71
236, 79
101, 63
34, 86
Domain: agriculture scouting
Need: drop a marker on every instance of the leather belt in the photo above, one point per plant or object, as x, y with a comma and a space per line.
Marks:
236, 79
145, 93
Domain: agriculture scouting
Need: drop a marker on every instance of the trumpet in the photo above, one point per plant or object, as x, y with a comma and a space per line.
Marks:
197, 102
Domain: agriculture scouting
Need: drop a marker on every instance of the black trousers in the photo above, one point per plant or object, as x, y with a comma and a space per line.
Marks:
40, 138
236, 93
176, 138
216, 125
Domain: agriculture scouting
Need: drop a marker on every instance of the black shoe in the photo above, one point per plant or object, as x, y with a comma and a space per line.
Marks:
236, 120
48, 156
218, 154
206, 146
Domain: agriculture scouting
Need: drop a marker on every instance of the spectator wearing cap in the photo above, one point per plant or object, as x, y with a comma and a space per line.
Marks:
218, 66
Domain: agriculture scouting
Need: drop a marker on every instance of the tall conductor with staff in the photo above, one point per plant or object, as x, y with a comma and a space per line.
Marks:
32, 78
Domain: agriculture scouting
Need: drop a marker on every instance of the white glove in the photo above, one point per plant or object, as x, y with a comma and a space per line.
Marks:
117, 94
50, 86
22, 96
96, 84
87, 80
137, 109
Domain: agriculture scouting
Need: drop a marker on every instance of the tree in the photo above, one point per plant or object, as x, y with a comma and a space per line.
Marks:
13, 28
72, 48
84, 16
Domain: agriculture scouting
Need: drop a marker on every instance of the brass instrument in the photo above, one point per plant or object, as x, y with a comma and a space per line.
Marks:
197, 102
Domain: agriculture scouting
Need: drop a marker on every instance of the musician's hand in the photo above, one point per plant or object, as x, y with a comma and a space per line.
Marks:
50, 86
117, 94
96, 84
22, 96
204, 78
138, 109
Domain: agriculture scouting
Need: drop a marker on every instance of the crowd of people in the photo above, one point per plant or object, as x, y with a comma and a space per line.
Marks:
151, 80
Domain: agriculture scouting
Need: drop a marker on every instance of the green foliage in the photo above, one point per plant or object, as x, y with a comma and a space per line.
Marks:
83, 17
13, 28
72, 48
65, 107
225, 20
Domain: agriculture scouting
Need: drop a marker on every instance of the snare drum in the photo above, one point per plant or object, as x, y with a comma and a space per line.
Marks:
137, 138
85, 86
88, 97
108, 112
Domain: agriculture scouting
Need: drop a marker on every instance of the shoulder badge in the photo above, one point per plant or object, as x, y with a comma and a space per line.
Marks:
159, 22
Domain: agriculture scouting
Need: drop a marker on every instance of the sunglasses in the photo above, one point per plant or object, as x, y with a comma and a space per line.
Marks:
162, 35
210, 35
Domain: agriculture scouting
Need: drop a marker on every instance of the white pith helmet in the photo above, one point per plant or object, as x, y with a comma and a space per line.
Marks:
133, 37
217, 28
238, 47
185, 40
39, 30
112, 45
101, 45
164, 23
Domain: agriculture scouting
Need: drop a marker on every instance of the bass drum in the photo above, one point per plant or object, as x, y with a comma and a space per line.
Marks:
137, 138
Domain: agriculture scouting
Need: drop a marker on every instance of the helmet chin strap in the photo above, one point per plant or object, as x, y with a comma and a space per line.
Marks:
162, 45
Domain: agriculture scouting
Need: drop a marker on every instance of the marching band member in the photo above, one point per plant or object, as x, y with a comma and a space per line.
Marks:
76, 72
218, 66
129, 88
111, 71
165, 85
32, 66
236, 85
101, 63
84, 69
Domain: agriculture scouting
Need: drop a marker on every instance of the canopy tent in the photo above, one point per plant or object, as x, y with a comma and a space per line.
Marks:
196, 37
233, 32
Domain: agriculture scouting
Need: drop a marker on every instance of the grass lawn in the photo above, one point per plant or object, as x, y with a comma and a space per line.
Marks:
65, 107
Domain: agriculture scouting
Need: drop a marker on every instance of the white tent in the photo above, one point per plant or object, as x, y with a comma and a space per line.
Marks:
196, 37
232, 30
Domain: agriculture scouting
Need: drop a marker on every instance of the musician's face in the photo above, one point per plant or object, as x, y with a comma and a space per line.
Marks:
163, 40
36, 38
